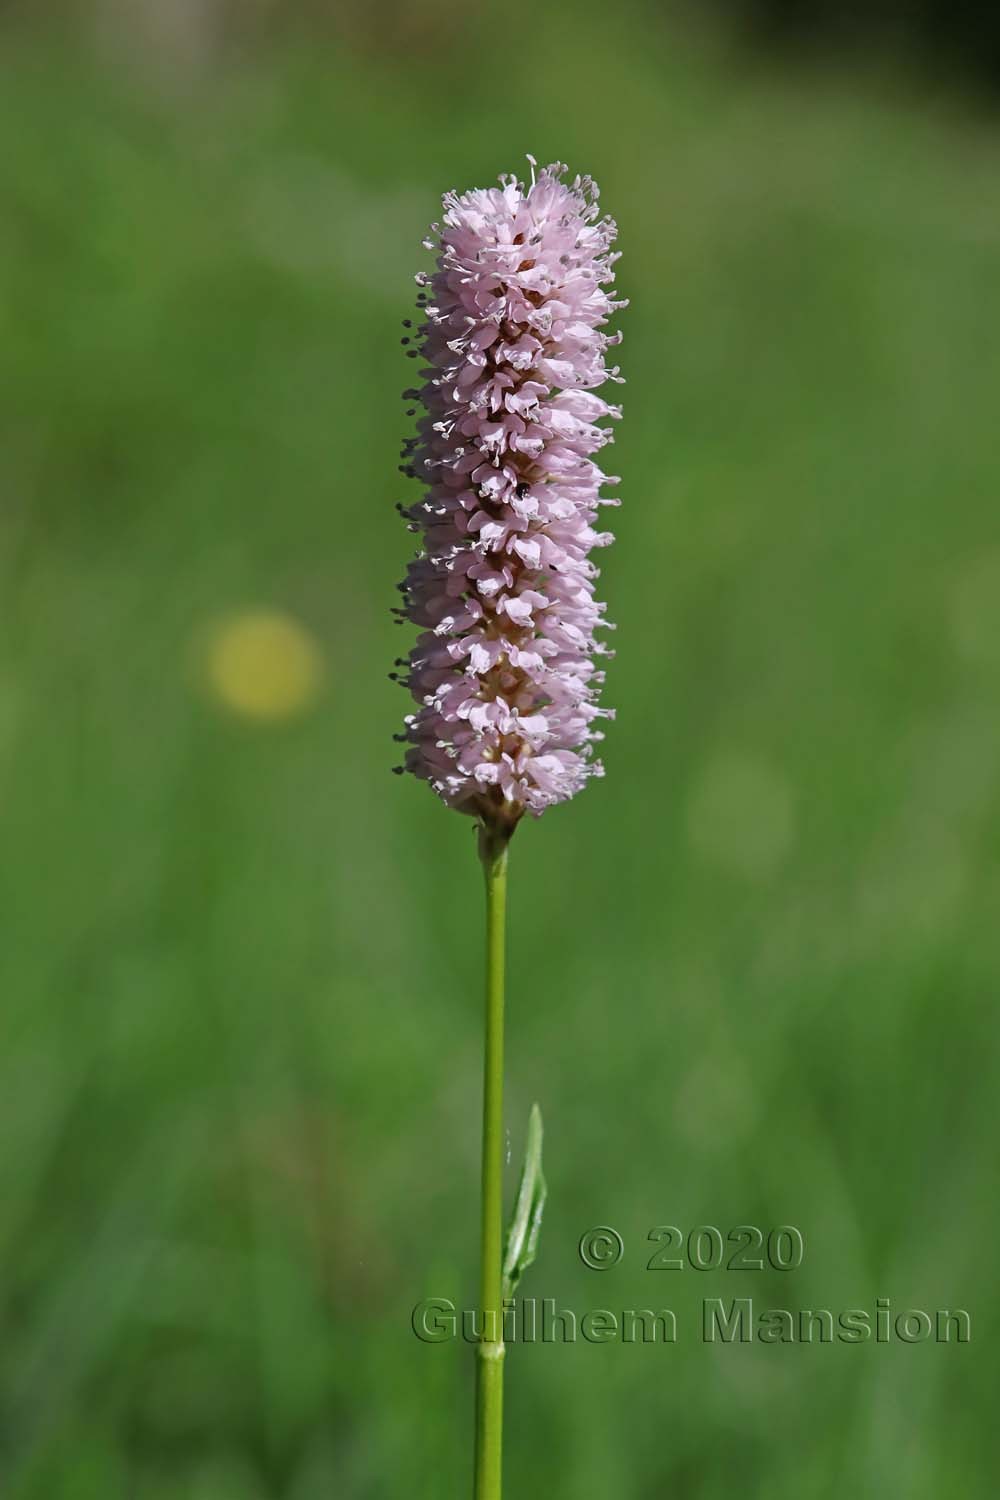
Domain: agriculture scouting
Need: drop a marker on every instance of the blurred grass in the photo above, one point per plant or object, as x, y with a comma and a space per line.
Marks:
753, 972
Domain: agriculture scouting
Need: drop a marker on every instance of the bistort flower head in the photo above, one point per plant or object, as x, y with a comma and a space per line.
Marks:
505, 672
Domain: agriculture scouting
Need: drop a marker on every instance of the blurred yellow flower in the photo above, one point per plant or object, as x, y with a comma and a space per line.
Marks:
264, 665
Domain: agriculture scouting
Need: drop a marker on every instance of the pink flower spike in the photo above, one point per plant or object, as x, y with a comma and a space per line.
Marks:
503, 590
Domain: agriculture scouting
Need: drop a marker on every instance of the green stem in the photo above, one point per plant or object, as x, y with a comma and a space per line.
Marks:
490, 1349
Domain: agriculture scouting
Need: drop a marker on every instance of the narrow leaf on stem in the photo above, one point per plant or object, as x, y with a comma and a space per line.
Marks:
525, 1226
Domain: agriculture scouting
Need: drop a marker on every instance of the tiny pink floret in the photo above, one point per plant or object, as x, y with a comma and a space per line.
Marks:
505, 672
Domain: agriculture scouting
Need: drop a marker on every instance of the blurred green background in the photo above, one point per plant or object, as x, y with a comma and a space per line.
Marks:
753, 973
